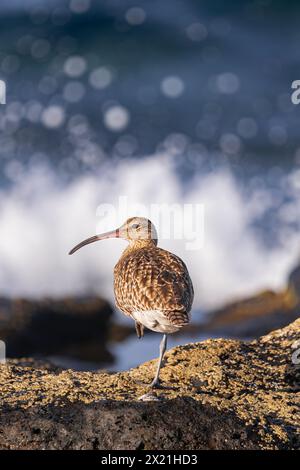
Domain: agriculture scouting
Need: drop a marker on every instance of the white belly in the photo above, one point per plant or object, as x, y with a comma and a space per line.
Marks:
155, 320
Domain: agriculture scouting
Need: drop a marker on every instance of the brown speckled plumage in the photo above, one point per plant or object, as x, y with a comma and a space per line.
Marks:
150, 278
152, 285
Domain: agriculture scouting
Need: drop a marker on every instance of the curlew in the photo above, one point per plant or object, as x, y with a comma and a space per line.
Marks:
151, 285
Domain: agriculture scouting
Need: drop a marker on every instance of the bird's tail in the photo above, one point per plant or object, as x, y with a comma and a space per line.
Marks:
178, 318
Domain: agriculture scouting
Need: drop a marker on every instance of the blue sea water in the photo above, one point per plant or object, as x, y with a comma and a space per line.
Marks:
210, 79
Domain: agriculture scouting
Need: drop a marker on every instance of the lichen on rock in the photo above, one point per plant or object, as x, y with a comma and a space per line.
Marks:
217, 394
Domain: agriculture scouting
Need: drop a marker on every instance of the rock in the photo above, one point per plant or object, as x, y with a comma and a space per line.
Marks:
69, 327
254, 316
218, 394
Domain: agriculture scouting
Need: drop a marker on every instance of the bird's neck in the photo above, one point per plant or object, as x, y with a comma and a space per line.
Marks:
138, 245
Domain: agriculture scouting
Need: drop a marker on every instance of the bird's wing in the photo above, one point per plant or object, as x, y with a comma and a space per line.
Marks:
154, 279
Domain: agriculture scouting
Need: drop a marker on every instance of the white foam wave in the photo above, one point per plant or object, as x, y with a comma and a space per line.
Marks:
41, 219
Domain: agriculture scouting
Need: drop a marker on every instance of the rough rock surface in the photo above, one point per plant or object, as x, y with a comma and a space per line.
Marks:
219, 394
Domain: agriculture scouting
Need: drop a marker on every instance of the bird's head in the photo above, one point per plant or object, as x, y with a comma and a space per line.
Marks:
136, 230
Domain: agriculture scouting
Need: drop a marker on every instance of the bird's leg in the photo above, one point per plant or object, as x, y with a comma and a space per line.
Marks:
139, 328
162, 349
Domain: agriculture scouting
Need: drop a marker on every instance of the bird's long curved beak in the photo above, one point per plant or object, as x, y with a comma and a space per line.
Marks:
95, 238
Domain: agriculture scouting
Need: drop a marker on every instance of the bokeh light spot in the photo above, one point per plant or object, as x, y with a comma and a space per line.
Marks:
228, 83
116, 118
100, 78
172, 86
75, 66
53, 116
135, 16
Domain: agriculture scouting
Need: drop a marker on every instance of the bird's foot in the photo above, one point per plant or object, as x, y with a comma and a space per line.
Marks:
149, 396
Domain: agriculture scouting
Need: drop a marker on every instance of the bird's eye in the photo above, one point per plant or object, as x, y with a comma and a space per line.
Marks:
135, 226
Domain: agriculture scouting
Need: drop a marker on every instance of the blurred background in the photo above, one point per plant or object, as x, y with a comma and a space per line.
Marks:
170, 102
